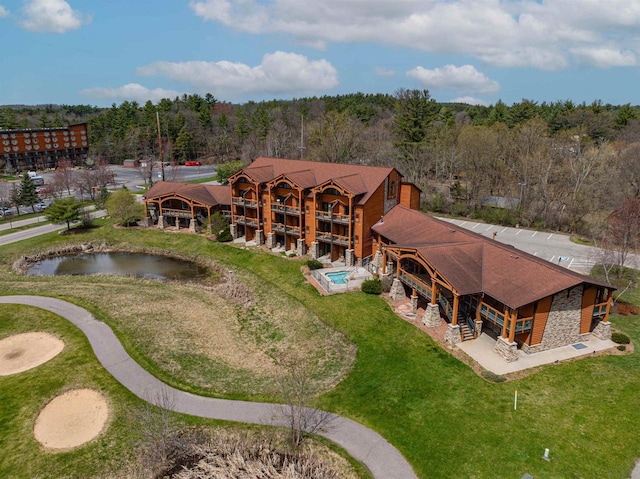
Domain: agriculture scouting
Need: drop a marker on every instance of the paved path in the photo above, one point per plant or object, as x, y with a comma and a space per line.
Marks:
365, 445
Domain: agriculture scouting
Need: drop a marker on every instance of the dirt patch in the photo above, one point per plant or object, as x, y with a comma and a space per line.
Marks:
72, 419
22, 352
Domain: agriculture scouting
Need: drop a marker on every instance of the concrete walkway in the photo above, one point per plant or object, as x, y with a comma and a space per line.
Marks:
482, 351
381, 458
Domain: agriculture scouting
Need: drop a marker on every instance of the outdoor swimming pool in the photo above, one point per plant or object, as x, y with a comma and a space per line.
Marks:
338, 277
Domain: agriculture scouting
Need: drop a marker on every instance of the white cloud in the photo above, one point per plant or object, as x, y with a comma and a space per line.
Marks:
450, 77
523, 33
469, 100
130, 92
604, 57
53, 16
3, 12
279, 73
383, 72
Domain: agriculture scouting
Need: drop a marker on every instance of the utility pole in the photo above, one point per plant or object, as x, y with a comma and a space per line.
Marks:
301, 147
160, 144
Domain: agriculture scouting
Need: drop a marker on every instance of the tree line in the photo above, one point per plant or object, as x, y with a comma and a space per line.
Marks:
557, 165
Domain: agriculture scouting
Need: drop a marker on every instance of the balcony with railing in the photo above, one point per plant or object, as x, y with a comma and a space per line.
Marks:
173, 213
246, 221
286, 229
237, 200
490, 314
286, 209
332, 217
332, 238
599, 310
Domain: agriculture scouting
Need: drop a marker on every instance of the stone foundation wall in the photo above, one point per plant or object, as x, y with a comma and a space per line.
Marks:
349, 257
315, 250
602, 331
301, 249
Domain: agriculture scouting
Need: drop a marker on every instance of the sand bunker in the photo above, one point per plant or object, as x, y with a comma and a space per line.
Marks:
72, 419
21, 352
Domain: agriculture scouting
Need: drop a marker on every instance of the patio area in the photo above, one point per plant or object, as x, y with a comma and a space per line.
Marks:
482, 351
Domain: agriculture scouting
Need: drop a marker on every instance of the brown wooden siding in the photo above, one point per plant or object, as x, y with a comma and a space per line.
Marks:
588, 300
540, 319
410, 196
371, 213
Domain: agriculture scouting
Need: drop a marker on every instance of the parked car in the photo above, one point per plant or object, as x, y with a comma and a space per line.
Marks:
5, 213
192, 163
40, 206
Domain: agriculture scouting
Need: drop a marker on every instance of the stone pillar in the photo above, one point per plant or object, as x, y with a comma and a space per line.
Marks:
161, 222
300, 247
431, 318
147, 221
349, 258
414, 303
259, 237
602, 330
233, 228
453, 336
193, 225
377, 261
271, 240
397, 290
508, 350
209, 228
390, 269
315, 250
478, 327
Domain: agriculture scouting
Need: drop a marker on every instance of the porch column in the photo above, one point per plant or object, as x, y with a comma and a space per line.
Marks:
350, 221
507, 313
606, 313
384, 261
434, 291
512, 331
414, 301
454, 314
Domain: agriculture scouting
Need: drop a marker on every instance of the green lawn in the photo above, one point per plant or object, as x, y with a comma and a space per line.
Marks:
446, 420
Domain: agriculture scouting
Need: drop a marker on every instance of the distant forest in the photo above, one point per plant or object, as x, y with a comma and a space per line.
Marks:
557, 165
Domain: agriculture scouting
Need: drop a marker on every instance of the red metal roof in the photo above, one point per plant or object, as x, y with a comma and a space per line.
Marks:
473, 264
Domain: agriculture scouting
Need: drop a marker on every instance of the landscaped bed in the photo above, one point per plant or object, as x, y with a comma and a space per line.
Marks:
445, 419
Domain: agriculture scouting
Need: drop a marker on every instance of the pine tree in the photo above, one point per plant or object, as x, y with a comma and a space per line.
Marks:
28, 194
64, 211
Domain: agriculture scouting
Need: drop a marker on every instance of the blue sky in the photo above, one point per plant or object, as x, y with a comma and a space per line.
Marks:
101, 52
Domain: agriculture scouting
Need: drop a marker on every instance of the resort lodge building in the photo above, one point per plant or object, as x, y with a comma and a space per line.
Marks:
367, 216
44, 148
480, 285
327, 209
184, 205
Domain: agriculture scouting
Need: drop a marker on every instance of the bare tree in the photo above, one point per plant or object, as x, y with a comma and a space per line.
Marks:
621, 237
295, 382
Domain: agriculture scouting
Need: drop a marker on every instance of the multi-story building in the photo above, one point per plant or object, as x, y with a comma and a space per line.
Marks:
327, 209
39, 149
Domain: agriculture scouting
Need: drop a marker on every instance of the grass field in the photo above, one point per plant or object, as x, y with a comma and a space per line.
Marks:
445, 419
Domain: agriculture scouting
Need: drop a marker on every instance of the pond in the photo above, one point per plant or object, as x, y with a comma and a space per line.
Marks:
125, 264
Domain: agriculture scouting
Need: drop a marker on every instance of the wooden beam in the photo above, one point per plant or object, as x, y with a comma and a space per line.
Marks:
512, 331
507, 313
454, 314
434, 291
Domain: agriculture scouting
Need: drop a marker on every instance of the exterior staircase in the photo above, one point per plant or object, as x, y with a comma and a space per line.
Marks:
465, 331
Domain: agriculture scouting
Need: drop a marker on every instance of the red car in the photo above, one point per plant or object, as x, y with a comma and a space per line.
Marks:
192, 163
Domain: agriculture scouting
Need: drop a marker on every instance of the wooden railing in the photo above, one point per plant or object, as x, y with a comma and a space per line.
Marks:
335, 239
243, 202
491, 314
286, 229
288, 210
416, 283
176, 213
599, 310
335, 218
243, 220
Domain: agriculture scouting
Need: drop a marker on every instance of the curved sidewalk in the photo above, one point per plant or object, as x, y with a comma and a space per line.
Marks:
381, 458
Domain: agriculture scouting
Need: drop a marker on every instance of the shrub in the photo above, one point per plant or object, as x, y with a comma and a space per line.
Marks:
493, 377
627, 309
372, 286
621, 347
620, 338
225, 235
314, 264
